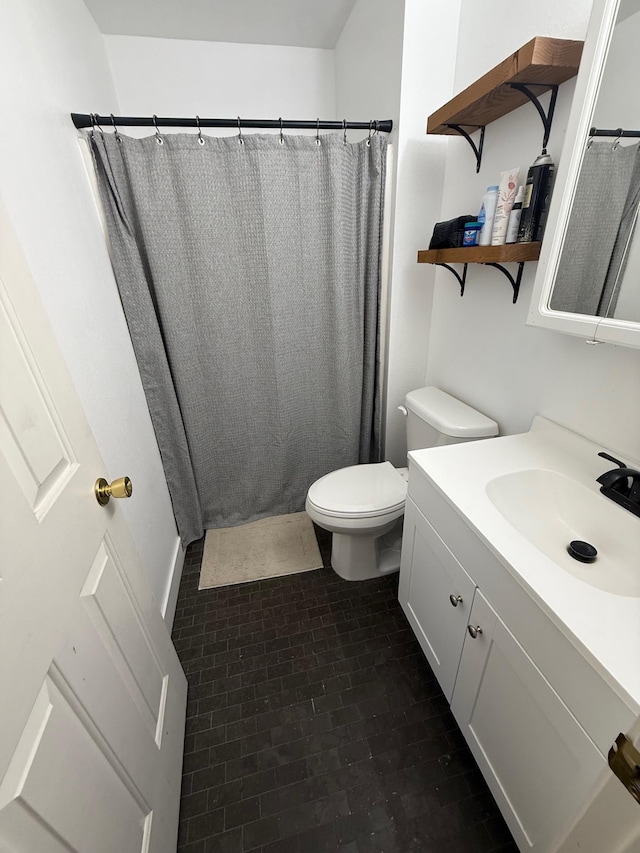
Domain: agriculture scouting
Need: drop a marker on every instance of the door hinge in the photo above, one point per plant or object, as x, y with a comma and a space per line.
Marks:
624, 760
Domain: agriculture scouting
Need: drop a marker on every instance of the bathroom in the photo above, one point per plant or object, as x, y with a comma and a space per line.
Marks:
391, 60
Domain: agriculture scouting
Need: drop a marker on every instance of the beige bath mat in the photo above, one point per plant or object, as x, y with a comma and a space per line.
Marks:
280, 545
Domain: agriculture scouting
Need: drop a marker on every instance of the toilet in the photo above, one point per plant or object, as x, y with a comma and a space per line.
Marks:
363, 505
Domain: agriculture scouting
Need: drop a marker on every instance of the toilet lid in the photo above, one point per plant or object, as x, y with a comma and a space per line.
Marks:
359, 491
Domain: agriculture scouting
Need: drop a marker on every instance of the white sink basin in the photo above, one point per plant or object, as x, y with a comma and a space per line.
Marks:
550, 510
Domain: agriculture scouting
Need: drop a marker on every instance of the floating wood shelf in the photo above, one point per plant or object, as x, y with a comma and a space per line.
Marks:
493, 256
513, 252
545, 62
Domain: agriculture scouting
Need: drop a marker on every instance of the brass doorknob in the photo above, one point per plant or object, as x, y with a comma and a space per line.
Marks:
120, 488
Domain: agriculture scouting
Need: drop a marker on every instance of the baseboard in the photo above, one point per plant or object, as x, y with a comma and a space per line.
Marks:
171, 598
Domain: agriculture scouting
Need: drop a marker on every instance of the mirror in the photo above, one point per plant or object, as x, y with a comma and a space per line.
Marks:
588, 279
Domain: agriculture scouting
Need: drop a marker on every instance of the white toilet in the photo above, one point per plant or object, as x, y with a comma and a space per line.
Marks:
363, 505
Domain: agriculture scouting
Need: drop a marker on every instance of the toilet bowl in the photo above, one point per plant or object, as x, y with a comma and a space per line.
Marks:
363, 505
359, 505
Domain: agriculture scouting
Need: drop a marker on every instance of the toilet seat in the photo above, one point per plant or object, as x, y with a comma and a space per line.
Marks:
359, 491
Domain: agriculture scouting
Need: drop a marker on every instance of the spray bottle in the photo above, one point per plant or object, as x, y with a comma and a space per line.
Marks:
537, 195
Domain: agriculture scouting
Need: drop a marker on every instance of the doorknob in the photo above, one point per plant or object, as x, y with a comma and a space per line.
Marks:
120, 488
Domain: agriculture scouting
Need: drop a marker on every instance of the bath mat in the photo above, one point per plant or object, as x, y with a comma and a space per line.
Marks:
269, 548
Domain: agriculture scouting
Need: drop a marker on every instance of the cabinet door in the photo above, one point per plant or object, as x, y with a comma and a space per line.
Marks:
536, 758
436, 594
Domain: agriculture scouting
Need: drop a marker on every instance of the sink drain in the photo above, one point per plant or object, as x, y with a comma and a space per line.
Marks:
582, 551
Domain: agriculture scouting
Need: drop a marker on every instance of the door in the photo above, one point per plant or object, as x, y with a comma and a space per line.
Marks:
436, 595
92, 696
537, 760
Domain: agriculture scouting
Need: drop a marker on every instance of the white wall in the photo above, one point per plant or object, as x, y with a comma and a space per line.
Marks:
175, 77
52, 62
480, 348
395, 60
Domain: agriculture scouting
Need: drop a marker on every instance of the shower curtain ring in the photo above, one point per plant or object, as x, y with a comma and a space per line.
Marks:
281, 140
240, 137
369, 137
159, 139
617, 142
318, 132
115, 129
344, 131
200, 139
92, 132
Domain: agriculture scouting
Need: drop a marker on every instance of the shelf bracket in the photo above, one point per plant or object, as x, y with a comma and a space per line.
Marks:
547, 117
461, 278
477, 149
515, 282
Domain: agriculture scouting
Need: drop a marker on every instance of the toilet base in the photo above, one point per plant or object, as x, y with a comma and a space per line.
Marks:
358, 558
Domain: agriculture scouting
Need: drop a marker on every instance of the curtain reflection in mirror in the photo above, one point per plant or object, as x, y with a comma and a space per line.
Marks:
602, 223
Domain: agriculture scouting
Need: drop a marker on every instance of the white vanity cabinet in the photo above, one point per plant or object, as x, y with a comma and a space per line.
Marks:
537, 716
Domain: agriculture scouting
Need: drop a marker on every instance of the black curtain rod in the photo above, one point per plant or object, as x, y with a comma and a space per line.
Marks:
84, 120
598, 131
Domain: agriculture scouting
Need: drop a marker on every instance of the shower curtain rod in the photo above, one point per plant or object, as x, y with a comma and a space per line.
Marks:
619, 132
81, 120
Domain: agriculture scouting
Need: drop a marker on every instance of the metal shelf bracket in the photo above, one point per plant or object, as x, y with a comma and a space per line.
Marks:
547, 117
515, 282
477, 149
461, 278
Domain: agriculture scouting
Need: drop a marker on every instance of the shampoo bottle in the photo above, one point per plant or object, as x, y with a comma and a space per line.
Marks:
486, 215
514, 217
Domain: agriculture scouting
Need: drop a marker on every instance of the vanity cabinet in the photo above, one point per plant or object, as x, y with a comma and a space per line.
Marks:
537, 717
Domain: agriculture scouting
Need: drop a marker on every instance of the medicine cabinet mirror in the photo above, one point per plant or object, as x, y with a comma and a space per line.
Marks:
588, 279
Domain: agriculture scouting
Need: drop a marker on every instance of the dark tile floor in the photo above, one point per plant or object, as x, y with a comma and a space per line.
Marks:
315, 724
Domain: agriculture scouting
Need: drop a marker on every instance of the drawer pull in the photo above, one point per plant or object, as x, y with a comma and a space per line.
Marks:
474, 630
455, 599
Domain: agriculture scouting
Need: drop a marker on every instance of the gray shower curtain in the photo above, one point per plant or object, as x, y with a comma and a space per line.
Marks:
249, 277
602, 218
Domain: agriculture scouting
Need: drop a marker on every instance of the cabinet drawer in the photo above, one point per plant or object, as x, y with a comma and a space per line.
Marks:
436, 594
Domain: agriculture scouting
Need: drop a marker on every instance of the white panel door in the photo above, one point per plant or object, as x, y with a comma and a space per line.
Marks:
92, 695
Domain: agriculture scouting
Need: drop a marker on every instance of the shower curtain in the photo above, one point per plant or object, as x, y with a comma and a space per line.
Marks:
602, 220
249, 276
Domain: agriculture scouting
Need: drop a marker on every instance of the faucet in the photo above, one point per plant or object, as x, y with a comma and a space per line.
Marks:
622, 485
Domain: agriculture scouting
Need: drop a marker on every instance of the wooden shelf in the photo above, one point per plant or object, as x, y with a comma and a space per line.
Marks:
511, 253
543, 61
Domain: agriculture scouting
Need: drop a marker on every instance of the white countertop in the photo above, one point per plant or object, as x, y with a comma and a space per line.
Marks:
604, 626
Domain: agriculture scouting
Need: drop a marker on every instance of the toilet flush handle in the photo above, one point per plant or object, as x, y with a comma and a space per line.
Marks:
403, 410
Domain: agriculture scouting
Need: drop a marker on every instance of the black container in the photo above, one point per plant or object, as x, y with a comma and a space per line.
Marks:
537, 195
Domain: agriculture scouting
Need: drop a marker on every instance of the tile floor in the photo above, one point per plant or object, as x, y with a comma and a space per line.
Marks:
315, 724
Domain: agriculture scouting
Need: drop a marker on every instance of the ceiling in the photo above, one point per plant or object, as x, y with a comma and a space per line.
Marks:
297, 23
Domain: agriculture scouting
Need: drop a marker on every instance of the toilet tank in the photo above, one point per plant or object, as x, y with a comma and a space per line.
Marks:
435, 418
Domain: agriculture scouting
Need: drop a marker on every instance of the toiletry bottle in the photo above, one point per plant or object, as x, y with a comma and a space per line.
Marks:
486, 215
471, 231
506, 198
537, 194
514, 217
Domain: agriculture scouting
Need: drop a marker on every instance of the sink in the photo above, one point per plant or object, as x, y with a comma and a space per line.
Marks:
550, 510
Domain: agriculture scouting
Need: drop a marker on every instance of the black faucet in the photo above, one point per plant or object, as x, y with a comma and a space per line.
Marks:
622, 485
